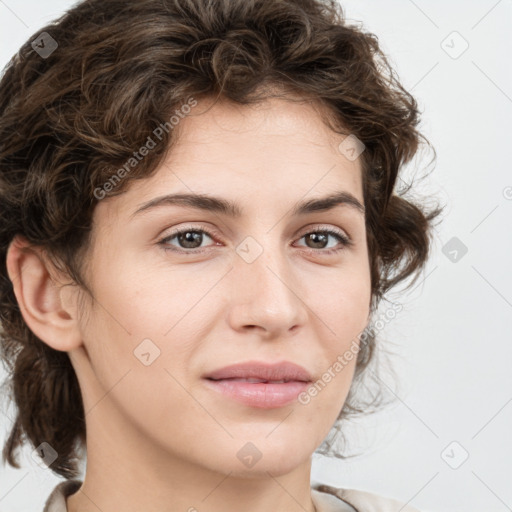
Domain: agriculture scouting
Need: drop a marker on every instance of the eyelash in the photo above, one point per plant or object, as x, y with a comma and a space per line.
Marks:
344, 240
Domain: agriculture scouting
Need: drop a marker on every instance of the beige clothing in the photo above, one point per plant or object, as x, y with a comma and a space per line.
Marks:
325, 499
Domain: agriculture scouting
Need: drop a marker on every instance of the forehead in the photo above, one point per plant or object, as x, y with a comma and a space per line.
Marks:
275, 149
274, 124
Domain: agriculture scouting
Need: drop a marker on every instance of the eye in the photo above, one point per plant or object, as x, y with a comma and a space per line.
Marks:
187, 238
320, 239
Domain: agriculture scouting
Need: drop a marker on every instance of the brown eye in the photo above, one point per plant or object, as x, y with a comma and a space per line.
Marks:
318, 240
189, 239
186, 238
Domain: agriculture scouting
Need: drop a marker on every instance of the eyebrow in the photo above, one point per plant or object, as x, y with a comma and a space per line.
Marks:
219, 205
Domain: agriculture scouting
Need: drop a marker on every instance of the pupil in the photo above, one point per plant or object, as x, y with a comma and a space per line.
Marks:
189, 238
314, 238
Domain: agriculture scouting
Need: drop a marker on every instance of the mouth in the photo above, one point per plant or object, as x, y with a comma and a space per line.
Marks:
258, 393
260, 371
254, 380
260, 384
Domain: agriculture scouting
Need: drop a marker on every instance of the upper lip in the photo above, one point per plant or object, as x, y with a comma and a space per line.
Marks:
285, 370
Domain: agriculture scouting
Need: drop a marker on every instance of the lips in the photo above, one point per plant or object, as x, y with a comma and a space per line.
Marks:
260, 385
258, 372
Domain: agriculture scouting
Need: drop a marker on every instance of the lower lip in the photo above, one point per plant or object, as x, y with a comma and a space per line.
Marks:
259, 394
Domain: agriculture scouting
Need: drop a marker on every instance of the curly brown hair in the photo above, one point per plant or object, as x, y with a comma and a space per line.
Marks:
70, 118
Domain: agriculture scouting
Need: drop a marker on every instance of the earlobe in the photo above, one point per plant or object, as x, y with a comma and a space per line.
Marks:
39, 296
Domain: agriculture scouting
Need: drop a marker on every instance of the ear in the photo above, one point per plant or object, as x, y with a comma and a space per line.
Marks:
48, 309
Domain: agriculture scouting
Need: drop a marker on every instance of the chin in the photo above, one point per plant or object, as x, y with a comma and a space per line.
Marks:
261, 456
275, 466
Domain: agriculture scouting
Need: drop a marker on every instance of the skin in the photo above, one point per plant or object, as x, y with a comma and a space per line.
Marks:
157, 438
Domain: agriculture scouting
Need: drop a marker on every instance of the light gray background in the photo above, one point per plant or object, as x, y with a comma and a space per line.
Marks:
453, 336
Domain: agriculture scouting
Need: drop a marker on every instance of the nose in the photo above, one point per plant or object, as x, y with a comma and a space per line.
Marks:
266, 295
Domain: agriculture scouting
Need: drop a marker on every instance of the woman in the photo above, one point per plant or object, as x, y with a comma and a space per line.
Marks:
198, 224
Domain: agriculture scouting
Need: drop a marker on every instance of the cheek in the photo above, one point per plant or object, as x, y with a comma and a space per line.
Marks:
146, 321
131, 354
341, 299
342, 305
146, 300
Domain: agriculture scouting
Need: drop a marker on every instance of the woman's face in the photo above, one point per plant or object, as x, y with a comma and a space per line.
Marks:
268, 285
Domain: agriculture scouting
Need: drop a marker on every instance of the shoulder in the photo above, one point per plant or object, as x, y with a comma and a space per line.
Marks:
364, 501
358, 500
56, 502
